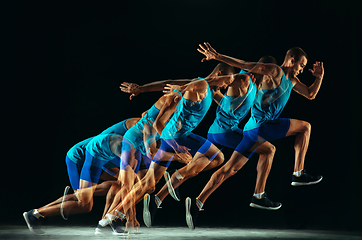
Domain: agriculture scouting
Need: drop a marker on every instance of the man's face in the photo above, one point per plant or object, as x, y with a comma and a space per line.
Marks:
299, 66
227, 81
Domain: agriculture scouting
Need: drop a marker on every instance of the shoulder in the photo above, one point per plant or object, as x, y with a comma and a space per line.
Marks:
240, 80
294, 80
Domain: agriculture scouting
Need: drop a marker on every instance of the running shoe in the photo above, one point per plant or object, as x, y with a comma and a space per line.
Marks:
192, 211
305, 179
149, 209
115, 230
173, 192
264, 203
33, 223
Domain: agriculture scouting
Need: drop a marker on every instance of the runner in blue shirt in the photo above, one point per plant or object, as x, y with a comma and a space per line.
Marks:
266, 126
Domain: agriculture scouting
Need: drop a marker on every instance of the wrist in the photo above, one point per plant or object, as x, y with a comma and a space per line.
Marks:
319, 78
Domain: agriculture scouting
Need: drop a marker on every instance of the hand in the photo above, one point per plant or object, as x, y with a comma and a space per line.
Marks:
170, 88
132, 88
253, 78
216, 90
208, 51
184, 157
318, 70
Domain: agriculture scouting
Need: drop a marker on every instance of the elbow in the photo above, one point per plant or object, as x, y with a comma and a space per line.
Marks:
158, 126
311, 97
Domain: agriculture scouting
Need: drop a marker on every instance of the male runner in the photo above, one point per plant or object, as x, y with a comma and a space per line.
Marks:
264, 124
224, 132
75, 158
196, 100
137, 141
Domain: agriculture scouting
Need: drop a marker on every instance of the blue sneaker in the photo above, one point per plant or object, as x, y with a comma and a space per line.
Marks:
264, 203
33, 223
192, 212
149, 209
305, 179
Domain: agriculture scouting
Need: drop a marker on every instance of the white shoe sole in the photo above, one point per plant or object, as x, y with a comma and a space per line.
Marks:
25, 215
66, 190
296, 184
263, 207
146, 210
170, 188
189, 221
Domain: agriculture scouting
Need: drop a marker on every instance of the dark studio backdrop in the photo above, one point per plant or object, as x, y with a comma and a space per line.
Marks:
65, 62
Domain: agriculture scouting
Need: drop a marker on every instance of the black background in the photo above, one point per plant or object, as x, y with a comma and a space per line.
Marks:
63, 63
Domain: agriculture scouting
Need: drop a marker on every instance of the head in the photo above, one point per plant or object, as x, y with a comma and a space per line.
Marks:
296, 59
265, 59
223, 69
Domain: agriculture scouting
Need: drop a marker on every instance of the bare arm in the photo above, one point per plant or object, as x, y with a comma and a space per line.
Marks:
217, 95
259, 68
134, 89
166, 112
311, 91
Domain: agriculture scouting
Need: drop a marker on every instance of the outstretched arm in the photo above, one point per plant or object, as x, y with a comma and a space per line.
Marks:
210, 53
134, 89
311, 91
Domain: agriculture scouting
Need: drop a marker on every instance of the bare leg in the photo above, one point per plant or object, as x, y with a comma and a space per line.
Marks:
200, 162
301, 130
82, 204
235, 163
266, 154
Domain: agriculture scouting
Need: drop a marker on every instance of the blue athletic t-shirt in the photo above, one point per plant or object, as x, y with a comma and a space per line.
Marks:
118, 128
187, 116
231, 110
136, 134
269, 104
77, 152
99, 147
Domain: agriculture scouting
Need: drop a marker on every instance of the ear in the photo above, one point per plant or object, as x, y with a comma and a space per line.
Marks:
177, 98
262, 68
218, 73
292, 60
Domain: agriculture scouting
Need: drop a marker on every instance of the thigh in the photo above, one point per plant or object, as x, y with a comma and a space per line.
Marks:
73, 173
228, 139
297, 126
274, 129
192, 141
130, 157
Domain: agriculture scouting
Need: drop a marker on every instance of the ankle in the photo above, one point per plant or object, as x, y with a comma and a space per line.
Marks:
259, 195
298, 173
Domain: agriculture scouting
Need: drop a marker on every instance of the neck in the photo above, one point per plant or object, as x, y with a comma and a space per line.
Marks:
211, 78
286, 69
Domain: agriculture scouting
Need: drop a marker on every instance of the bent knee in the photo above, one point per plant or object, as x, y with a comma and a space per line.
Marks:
305, 127
87, 207
219, 158
271, 149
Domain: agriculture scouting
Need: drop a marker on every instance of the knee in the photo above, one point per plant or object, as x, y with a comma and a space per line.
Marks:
307, 127
151, 185
86, 206
219, 158
271, 150
231, 172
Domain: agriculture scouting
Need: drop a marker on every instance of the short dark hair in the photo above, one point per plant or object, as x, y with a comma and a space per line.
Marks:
267, 59
225, 69
296, 52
